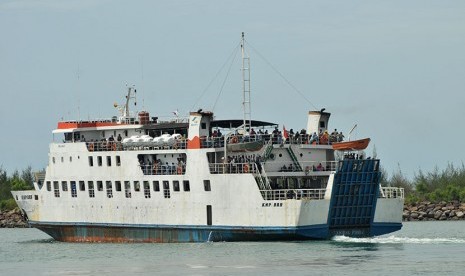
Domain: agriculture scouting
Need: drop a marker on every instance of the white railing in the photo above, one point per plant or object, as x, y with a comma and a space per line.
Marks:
232, 168
391, 192
118, 146
307, 166
298, 194
158, 169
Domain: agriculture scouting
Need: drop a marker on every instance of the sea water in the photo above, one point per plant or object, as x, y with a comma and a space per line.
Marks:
420, 248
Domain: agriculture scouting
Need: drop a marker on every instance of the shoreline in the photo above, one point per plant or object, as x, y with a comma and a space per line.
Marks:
419, 211
12, 219
428, 211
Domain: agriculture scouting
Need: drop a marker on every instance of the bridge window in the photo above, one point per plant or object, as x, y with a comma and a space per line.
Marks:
156, 186
127, 189
166, 189
91, 188
176, 186
109, 189
99, 186
118, 186
73, 189
186, 185
146, 189
64, 186
56, 188
82, 186
206, 185
136, 186
49, 186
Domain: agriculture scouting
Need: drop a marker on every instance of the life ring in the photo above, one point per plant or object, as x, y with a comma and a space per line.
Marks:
113, 146
91, 146
245, 168
179, 170
234, 140
307, 170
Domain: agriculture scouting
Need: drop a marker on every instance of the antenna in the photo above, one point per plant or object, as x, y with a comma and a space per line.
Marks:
78, 94
352, 130
246, 86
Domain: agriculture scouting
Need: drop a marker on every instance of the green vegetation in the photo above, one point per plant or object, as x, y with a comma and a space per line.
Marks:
446, 185
14, 182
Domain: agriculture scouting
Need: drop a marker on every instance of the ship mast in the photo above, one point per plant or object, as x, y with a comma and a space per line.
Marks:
245, 86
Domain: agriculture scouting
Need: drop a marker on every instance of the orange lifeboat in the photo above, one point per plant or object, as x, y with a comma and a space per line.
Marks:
352, 145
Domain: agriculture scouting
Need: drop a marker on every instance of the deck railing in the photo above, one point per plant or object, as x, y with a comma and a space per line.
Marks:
391, 192
118, 146
165, 169
293, 194
205, 142
307, 166
233, 168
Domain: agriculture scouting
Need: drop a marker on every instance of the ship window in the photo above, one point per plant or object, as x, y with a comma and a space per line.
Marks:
70, 159
82, 186
109, 189
186, 185
203, 125
322, 124
53, 160
118, 186
91, 188
136, 186
206, 185
99, 161
176, 186
118, 160
109, 161
99, 186
64, 186
56, 188
73, 189
166, 189
156, 186
127, 189
62, 159
146, 189
126, 133
49, 186
91, 161
103, 133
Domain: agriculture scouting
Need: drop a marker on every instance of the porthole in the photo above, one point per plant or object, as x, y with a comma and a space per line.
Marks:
280, 155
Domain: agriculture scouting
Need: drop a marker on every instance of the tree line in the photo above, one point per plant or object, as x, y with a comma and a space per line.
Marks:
435, 186
17, 181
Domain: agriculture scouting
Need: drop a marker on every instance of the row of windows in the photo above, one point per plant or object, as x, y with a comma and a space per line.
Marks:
91, 187
108, 159
99, 160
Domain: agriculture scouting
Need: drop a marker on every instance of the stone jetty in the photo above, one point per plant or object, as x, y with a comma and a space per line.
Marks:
427, 211
12, 219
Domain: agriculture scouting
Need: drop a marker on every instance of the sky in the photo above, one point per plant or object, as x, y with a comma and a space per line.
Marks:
394, 68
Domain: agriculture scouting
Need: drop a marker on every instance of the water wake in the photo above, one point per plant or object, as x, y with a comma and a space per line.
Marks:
399, 240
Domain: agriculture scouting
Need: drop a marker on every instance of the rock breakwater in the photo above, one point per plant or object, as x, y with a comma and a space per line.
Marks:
12, 219
427, 211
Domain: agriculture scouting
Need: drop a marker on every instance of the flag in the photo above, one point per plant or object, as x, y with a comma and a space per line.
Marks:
285, 133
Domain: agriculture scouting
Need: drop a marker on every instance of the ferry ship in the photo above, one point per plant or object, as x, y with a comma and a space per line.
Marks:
136, 178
